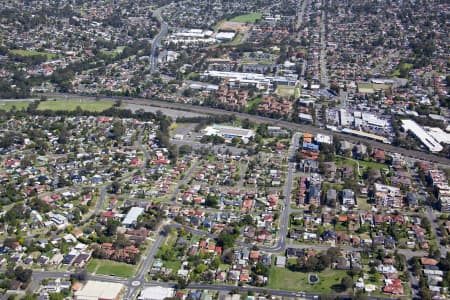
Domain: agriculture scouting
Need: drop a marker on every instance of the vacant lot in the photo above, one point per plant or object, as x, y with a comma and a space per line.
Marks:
231, 26
108, 267
70, 105
248, 18
284, 279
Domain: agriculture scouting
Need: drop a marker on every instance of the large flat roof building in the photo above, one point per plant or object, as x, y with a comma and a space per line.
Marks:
229, 132
99, 290
132, 216
422, 135
156, 293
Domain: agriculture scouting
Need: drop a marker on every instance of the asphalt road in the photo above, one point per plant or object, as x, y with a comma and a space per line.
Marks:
39, 275
434, 226
445, 162
156, 43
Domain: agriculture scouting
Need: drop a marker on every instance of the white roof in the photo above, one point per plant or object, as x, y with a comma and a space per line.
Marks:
438, 134
132, 215
322, 138
225, 35
156, 293
94, 290
422, 135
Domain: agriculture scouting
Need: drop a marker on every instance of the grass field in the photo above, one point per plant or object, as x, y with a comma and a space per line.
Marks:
285, 91
364, 165
284, 279
108, 267
248, 18
114, 52
94, 106
27, 53
8, 105
370, 88
237, 40
253, 104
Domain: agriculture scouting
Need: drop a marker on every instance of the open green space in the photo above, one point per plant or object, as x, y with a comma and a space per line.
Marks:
284, 279
68, 105
247, 18
285, 91
370, 88
28, 53
253, 104
402, 69
19, 105
364, 165
108, 267
236, 40
114, 52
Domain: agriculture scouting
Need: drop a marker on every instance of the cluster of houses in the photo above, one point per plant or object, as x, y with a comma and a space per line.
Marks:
51, 40
359, 230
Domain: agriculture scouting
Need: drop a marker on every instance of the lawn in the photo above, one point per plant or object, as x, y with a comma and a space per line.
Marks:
253, 104
248, 18
8, 105
364, 165
285, 91
114, 52
174, 265
28, 53
108, 267
284, 279
94, 106
237, 40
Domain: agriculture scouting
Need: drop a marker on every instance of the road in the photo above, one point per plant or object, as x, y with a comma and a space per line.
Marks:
286, 209
323, 50
300, 14
434, 226
156, 43
444, 162
185, 180
200, 286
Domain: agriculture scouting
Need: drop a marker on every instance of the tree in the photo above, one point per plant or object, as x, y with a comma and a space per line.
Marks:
79, 275
346, 282
211, 200
23, 275
226, 240
182, 283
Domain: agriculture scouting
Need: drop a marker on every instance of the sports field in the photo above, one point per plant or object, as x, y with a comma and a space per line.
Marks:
71, 105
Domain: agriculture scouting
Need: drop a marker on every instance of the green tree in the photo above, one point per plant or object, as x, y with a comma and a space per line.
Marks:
346, 282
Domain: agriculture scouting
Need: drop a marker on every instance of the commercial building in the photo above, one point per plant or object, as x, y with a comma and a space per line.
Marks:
422, 135
132, 216
253, 79
99, 290
156, 293
229, 132
225, 36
